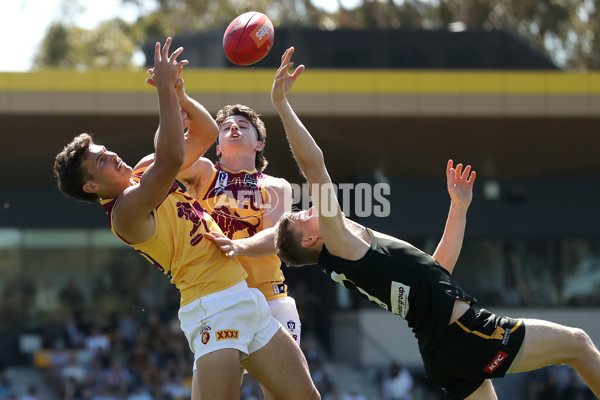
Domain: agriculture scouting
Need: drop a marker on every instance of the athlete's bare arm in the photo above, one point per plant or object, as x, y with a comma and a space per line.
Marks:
201, 134
197, 176
339, 240
132, 213
460, 187
202, 130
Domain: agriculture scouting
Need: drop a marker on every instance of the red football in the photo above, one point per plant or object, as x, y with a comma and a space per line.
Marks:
248, 38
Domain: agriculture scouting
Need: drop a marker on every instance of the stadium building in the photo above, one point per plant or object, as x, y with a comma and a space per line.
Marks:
388, 115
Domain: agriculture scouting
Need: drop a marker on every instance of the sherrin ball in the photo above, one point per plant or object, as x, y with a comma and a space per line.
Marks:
248, 38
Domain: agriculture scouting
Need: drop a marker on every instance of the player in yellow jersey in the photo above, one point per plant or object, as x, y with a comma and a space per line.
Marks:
226, 323
246, 204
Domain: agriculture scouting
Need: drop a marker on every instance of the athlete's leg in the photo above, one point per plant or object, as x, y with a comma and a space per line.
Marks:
266, 394
547, 343
284, 310
281, 368
484, 392
217, 376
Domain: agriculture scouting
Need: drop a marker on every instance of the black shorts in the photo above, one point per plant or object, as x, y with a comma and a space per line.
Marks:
479, 346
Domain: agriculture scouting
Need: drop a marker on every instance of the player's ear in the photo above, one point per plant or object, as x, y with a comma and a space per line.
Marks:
91, 187
219, 152
259, 146
308, 241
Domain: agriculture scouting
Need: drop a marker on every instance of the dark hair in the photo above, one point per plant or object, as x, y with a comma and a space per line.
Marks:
254, 118
289, 247
69, 173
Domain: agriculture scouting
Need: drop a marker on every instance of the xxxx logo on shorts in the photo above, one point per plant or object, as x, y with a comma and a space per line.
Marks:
227, 334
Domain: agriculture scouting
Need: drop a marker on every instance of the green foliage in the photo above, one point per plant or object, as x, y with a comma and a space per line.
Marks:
567, 30
106, 47
54, 48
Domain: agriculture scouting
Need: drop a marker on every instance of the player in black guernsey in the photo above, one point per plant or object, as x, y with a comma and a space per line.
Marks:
401, 279
462, 347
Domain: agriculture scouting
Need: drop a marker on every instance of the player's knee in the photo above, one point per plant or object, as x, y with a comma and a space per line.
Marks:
315, 395
312, 394
583, 338
581, 343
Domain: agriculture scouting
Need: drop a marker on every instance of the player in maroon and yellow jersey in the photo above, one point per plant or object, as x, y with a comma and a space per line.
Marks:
226, 323
246, 204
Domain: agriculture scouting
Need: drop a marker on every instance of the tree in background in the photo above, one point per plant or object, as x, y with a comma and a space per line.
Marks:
567, 30
108, 46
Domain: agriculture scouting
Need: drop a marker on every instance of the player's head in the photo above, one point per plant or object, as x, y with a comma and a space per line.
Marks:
298, 240
235, 113
87, 171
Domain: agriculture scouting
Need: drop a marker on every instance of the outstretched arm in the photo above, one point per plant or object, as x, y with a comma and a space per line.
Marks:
307, 153
132, 212
202, 133
260, 245
339, 240
460, 187
202, 128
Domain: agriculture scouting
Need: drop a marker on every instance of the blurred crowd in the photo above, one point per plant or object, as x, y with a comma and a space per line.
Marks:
118, 338
558, 383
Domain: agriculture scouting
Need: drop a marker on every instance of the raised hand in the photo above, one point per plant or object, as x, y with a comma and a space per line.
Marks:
460, 183
283, 79
166, 70
179, 84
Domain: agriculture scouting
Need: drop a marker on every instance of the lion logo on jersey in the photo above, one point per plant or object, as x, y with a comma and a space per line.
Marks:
195, 216
232, 223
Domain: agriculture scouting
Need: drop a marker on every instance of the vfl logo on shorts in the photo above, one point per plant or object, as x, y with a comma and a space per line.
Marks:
205, 337
499, 359
227, 334
291, 325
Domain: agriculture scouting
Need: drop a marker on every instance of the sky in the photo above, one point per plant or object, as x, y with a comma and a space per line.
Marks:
23, 23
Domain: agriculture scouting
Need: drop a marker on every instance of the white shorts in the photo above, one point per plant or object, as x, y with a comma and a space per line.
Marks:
284, 310
235, 318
